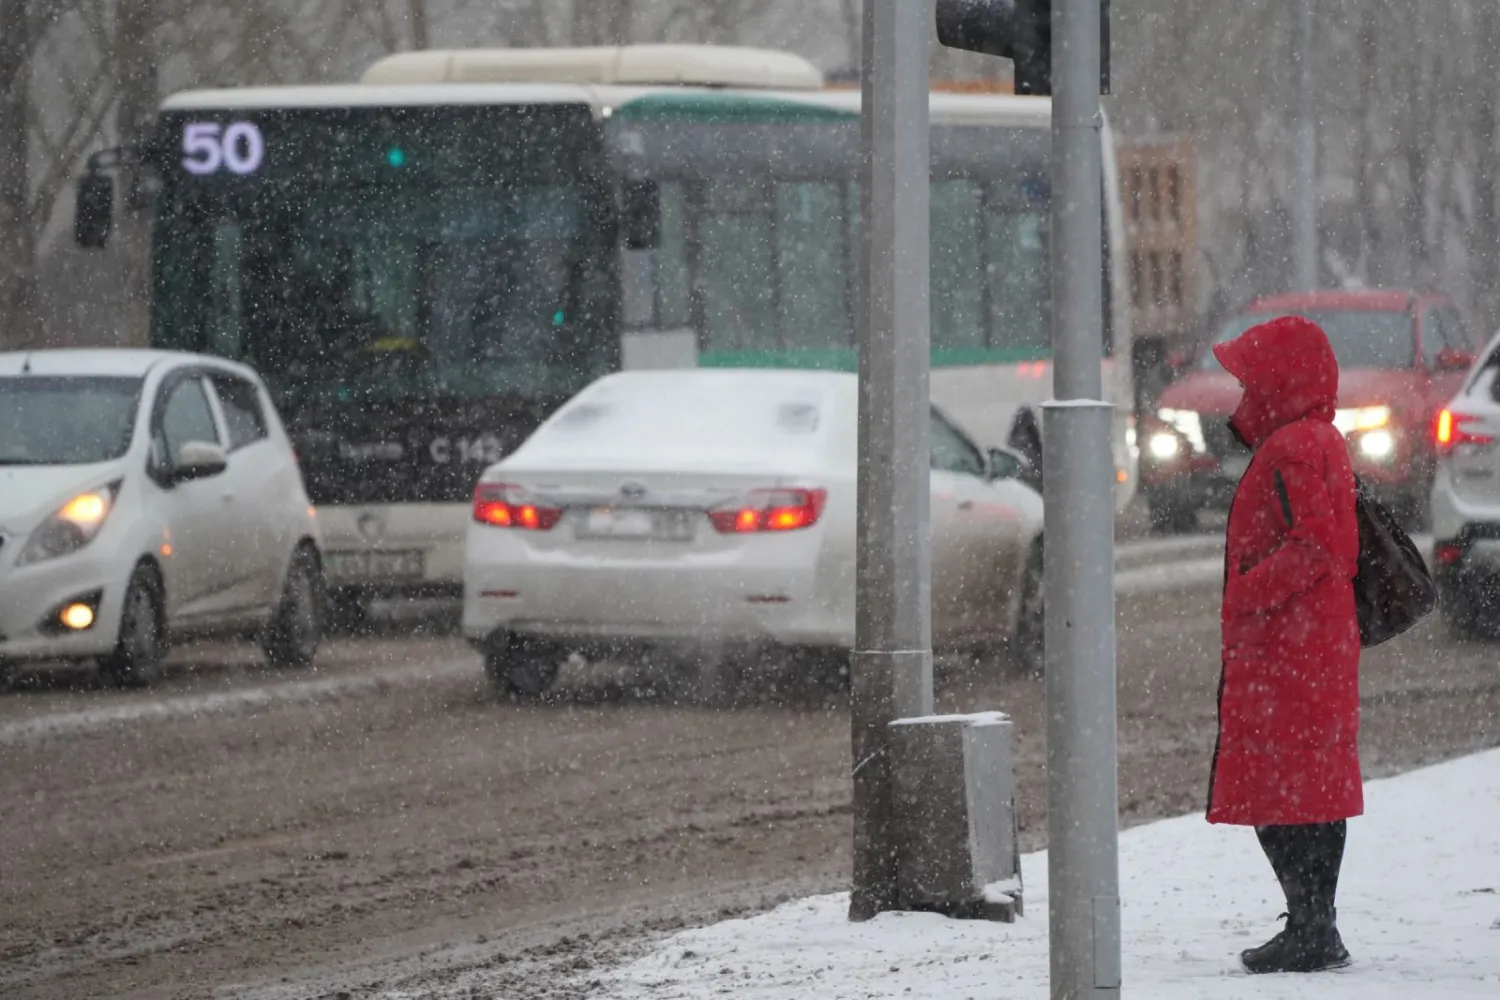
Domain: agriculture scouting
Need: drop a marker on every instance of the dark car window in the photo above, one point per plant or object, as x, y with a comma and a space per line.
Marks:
1434, 335
1361, 338
66, 420
951, 451
185, 417
243, 417
1442, 327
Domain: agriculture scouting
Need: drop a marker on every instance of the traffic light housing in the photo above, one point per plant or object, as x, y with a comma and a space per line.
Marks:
1018, 30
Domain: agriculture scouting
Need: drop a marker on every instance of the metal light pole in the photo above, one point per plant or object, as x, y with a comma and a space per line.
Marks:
1078, 497
891, 667
1305, 155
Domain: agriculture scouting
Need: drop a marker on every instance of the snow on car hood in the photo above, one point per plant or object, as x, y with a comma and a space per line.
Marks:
28, 493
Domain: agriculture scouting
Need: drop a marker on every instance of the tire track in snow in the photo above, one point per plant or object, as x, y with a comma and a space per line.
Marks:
76, 721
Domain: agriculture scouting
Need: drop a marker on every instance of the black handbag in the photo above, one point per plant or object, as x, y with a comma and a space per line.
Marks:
1393, 589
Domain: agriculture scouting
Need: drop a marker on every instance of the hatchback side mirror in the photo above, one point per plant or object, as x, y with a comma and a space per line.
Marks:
1006, 464
641, 215
94, 210
1451, 359
198, 460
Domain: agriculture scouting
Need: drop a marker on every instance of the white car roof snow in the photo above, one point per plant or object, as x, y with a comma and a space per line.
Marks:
690, 418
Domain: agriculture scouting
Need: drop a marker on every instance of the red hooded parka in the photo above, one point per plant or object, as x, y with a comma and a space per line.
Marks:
1288, 747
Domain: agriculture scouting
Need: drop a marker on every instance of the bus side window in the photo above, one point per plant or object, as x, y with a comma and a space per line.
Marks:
736, 266
674, 303
1016, 272
957, 265
812, 260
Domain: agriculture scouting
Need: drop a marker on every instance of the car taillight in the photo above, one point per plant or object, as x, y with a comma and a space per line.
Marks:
505, 505
770, 510
1450, 433
1448, 553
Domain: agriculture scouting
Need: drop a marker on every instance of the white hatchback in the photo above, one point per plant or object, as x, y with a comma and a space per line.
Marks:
1466, 502
148, 496
708, 508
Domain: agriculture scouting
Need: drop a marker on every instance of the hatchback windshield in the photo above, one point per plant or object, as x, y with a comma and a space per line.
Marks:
1361, 338
47, 420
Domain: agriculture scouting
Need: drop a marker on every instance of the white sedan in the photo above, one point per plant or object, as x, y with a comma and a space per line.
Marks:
148, 496
711, 509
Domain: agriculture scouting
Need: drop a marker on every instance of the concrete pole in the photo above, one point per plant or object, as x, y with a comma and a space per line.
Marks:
1082, 794
891, 667
1304, 154
136, 83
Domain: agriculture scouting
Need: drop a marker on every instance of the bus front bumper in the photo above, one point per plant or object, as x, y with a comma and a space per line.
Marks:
389, 550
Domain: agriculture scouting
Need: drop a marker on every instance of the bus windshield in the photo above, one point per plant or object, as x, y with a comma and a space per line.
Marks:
386, 255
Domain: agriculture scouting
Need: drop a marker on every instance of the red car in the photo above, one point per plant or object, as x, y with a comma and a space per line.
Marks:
1402, 355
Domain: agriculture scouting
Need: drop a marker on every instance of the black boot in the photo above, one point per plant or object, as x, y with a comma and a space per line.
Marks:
1276, 955
1310, 942
1322, 947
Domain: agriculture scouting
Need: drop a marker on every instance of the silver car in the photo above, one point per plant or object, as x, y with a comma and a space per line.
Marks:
1466, 501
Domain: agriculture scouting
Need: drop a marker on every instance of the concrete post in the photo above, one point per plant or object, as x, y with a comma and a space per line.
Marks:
891, 667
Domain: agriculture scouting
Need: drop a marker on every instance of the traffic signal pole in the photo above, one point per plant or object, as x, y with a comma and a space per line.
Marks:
891, 667
1078, 500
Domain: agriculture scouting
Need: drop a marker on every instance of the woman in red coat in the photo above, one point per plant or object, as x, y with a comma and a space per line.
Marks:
1287, 761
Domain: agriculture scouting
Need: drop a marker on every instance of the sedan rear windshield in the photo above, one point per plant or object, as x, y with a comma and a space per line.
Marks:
690, 421
66, 420
1361, 338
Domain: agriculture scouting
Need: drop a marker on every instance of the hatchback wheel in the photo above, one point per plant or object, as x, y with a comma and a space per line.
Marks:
1171, 517
1470, 606
295, 631
1416, 510
524, 669
1028, 645
141, 647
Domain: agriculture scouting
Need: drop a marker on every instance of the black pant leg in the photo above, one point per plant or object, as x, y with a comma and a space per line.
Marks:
1283, 847
1307, 859
1327, 860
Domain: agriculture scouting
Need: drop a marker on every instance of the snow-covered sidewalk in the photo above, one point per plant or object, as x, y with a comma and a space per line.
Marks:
1419, 908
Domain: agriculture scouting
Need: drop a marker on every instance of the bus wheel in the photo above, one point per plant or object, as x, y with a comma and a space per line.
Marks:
1171, 516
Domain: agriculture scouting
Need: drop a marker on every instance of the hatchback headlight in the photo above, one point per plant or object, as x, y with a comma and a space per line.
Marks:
1379, 445
1164, 445
71, 526
1188, 423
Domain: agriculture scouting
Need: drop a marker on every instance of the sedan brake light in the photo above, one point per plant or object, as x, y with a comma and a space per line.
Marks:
770, 510
506, 505
1450, 433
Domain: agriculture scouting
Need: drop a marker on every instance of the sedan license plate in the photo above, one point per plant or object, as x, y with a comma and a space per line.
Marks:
403, 565
1234, 467
637, 523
